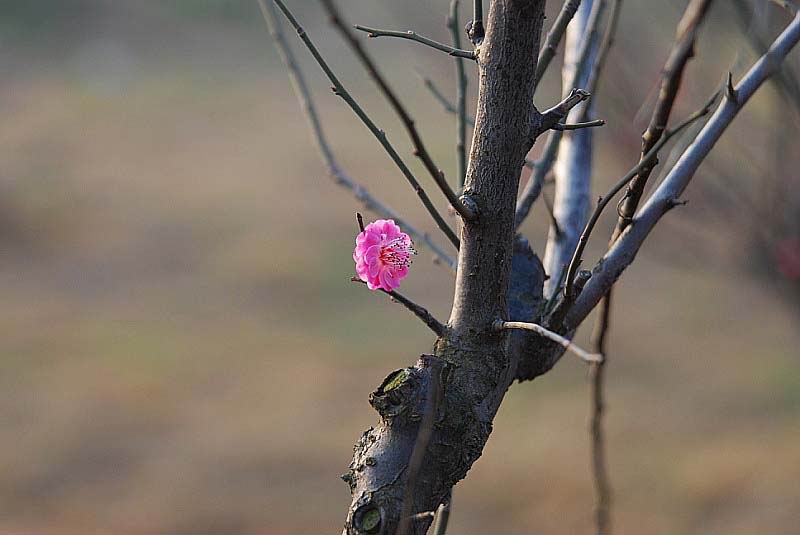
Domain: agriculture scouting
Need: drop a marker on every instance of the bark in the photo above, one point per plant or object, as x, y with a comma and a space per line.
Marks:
472, 366
573, 166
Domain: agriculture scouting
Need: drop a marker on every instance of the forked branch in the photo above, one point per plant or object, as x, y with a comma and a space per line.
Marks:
379, 134
624, 250
307, 104
414, 36
464, 210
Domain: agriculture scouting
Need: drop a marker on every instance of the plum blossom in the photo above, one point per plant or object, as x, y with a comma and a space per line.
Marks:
382, 255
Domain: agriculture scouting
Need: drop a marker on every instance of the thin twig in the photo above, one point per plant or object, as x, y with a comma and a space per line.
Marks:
603, 49
550, 335
554, 36
671, 76
475, 29
421, 312
379, 134
461, 96
602, 484
616, 188
533, 188
559, 112
414, 36
334, 170
419, 147
578, 126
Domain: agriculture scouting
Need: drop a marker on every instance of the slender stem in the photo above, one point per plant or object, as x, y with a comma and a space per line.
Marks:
603, 49
379, 134
554, 36
421, 312
578, 126
534, 186
551, 117
600, 475
616, 188
550, 335
334, 170
461, 96
476, 29
416, 139
414, 36
672, 74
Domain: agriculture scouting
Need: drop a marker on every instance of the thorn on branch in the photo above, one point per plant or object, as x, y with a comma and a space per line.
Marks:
672, 203
730, 91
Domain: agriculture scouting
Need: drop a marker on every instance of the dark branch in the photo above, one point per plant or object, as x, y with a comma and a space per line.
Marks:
419, 147
624, 250
578, 126
422, 313
379, 134
602, 484
414, 36
649, 158
334, 170
461, 96
554, 37
671, 75
475, 29
559, 112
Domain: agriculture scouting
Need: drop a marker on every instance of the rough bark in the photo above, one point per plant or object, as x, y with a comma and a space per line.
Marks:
471, 365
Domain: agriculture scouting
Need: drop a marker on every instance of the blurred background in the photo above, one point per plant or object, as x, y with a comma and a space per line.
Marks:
182, 351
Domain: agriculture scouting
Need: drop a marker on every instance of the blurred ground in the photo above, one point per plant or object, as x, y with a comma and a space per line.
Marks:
181, 349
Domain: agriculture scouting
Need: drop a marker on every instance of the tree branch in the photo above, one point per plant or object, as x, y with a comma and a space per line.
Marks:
531, 191
573, 164
603, 49
624, 250
465, 211
559, 112
379, 134
671, 76
475, 28
334, 170
461, 96
421, 312
648, 159
550, 335
554, 36
602, 484
482, 367
414, 36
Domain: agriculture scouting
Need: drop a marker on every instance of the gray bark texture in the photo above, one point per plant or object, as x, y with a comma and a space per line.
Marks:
472, 365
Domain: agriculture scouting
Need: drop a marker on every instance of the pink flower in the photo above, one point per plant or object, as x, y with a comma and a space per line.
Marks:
382, 255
